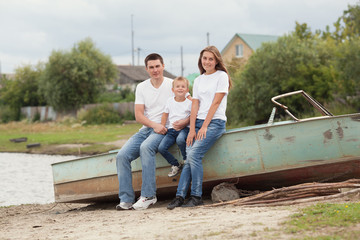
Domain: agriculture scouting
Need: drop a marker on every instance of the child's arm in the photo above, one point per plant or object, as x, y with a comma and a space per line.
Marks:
164, 118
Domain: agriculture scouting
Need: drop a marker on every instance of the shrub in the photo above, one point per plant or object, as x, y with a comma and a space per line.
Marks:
8, 114
100, 114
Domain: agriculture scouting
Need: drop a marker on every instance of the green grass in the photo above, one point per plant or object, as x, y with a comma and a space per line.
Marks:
326, 221
52, 134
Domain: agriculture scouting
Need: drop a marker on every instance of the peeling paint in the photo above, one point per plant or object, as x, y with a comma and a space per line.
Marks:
327, 135
352, 140
290, 139
251, 160
340, 131
268, 135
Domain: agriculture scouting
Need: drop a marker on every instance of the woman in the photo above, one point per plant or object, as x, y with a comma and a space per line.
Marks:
207, 123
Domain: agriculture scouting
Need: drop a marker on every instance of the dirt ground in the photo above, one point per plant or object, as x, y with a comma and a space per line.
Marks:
102, 221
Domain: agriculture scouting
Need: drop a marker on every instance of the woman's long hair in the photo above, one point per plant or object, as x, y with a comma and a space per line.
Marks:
220, 63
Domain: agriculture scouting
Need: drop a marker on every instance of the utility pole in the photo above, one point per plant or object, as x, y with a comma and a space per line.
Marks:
138, 53
132, 40
208, 38
182, 63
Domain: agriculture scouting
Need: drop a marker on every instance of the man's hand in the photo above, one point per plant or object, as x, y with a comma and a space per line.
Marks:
160, 129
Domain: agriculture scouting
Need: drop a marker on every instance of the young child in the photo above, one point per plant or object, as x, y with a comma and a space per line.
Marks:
177, 108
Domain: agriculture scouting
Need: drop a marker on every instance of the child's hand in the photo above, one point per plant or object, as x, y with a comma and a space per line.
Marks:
180, 124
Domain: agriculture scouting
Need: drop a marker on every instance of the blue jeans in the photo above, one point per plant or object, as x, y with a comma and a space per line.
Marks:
170, 138
144, 144
193, 169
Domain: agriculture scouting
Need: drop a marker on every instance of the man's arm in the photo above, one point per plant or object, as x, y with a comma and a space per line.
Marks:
140, 118
164, 118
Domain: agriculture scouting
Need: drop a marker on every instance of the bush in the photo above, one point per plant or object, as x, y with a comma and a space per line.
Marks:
124, 95
8, 114
100, 114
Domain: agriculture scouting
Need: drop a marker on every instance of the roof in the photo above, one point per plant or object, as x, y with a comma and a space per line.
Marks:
254, 41
191, 77
138, 73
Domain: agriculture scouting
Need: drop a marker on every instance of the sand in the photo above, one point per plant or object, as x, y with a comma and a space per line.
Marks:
102, 221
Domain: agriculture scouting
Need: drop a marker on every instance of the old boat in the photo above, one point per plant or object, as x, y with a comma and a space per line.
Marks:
276, 154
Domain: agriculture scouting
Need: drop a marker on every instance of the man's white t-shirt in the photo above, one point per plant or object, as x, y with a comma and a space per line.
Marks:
154, 99
205, 87
177, 110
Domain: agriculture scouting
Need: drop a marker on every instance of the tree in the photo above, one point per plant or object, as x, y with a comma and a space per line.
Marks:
23, 89
292, 63
348, 84
74, 78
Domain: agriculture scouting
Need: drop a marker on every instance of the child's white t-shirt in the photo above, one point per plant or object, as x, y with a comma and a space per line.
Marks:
154, 99
177, 110
205, 87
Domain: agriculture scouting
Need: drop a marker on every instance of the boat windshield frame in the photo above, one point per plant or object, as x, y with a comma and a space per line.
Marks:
310, 99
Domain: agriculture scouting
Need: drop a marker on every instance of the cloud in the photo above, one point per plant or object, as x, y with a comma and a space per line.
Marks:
33, 28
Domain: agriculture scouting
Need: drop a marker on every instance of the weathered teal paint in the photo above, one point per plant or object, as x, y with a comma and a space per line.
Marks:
249, 150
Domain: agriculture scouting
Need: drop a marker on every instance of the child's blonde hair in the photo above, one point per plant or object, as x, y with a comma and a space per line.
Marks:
179, 79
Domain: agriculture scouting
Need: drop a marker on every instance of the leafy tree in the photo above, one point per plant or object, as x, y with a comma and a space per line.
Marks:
348, 84
23, 89
292, 63
77, 77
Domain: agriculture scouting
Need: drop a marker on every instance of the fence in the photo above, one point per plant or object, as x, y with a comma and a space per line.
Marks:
48, 112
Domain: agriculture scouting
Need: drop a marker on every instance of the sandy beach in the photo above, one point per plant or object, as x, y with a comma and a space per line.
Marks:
102, 221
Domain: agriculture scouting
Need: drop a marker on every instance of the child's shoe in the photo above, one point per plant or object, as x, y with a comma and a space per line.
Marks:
175, 170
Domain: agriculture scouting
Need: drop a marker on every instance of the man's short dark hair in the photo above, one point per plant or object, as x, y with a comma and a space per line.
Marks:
153, 56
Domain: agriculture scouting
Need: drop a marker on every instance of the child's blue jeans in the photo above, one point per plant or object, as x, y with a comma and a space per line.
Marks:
170, 138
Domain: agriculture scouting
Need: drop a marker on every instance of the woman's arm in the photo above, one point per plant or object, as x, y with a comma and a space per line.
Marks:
193, 115
214, 106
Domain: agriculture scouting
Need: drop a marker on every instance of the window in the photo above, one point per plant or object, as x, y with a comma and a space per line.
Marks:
239, 50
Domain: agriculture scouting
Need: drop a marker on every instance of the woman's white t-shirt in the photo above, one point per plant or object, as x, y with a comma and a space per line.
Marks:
205, 87
177, 110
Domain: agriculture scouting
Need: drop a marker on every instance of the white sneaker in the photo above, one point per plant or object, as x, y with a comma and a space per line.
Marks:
144, 202
175, 170
124, 206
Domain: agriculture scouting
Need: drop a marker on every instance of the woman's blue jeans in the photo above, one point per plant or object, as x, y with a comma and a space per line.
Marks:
170, 138
144, 144
193, 169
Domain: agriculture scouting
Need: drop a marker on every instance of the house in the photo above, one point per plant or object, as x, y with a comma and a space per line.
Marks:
130, 76
244, 45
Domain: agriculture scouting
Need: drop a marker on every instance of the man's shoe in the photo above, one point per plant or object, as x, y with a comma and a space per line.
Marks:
124, 206
193, 202
175, 170
144, 202
177, 202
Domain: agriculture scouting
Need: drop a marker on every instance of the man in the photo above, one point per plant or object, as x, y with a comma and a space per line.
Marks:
150, 99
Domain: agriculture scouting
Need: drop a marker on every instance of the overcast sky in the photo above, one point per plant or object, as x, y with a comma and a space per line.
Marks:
32, 29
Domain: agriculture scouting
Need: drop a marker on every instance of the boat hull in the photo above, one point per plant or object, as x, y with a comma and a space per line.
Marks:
259, 157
